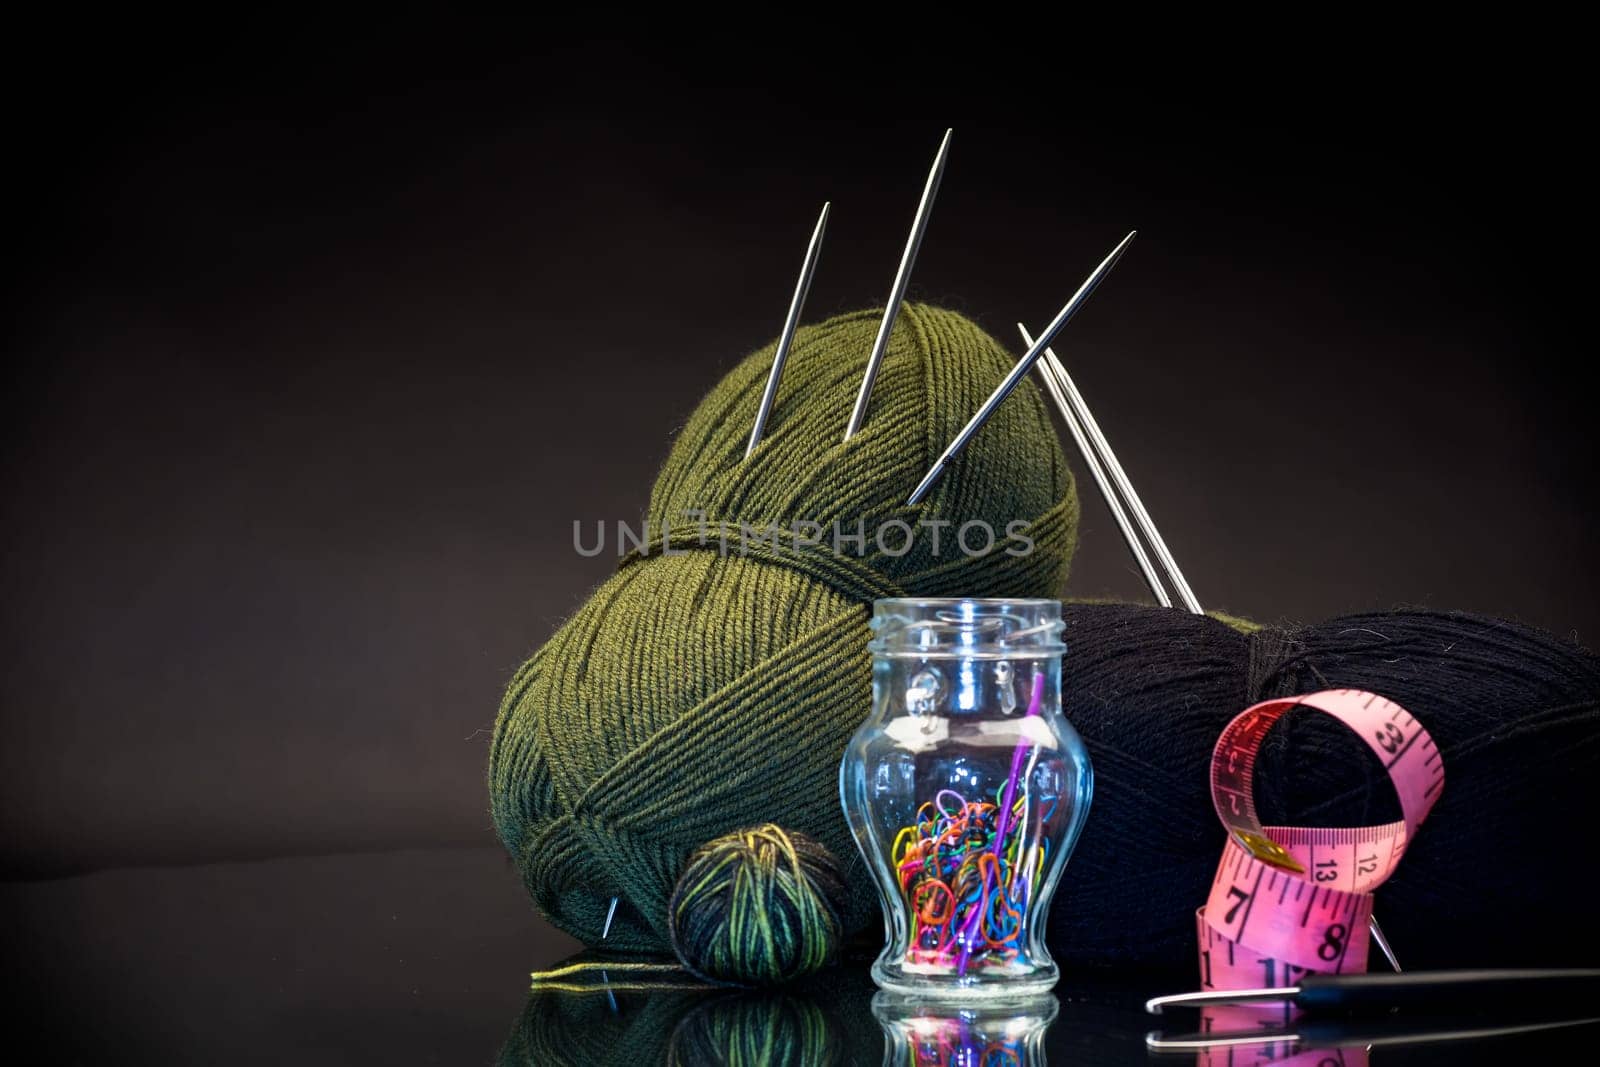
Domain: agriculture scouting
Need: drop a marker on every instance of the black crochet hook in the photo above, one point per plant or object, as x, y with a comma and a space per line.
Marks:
1452, 992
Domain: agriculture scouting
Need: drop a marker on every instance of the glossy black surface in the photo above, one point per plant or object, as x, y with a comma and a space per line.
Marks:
424, 957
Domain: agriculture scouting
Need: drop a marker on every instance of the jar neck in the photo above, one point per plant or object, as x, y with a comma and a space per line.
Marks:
967, 688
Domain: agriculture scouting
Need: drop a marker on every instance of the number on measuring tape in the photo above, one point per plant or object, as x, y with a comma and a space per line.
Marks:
1296, 900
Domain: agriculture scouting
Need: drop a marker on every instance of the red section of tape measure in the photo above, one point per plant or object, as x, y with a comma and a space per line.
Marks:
1265, 923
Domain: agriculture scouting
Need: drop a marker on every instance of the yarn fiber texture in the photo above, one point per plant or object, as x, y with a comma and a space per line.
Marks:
697, 692
758, 907
1489, 879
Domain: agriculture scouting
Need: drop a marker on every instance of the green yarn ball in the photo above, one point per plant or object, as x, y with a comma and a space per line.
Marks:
699, 692
757, 907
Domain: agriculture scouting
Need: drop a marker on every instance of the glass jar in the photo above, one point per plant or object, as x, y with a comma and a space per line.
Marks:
966, 790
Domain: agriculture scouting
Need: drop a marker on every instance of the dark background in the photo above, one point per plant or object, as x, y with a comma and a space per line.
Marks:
323, 337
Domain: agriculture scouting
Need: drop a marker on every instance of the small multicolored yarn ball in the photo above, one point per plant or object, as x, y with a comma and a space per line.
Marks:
757, 907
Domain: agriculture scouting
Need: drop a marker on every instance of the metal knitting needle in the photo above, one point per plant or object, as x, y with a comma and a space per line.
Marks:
1077, 410
1023, 366
611, 913
1120, 478
1383, 943
902, 278
1049, 370
801, 287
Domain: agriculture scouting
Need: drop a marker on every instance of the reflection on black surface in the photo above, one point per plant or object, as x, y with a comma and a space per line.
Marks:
667, 1020
839, 1019
932, 1034
754, 1028
1249, 1035
1240, 1036
832, 1021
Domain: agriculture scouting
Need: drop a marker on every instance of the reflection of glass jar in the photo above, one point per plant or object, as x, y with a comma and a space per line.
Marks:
966, 790
923, 1033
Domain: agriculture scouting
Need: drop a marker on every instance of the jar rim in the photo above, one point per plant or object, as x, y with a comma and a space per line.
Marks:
967, 627
946, 601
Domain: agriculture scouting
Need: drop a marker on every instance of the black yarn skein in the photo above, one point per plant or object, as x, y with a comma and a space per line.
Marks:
1497, 876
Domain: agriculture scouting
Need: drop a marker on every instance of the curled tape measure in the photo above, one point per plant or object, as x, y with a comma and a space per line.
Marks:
1288, 900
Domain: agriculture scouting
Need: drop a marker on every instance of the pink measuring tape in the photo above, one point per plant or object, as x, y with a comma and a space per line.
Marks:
1288, 900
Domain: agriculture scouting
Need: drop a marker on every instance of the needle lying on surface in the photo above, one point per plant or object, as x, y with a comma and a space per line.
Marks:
1453, 991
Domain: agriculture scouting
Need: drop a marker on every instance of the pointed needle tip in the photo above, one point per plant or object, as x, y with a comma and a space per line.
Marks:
897, 292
